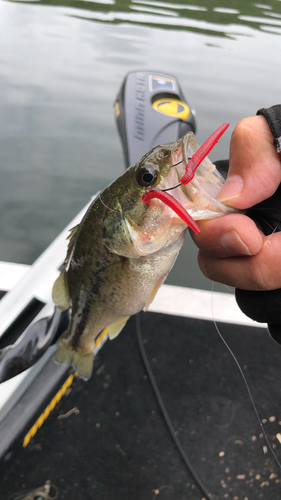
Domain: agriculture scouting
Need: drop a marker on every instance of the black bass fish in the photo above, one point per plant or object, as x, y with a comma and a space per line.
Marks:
123, 248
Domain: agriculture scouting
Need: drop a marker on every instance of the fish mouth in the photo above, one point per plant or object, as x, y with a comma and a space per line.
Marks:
189, 191
198, 196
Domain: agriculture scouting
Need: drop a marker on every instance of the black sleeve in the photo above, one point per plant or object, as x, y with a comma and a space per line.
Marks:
264, 306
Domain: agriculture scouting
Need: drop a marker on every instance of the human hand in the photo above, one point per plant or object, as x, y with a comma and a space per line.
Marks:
232, 250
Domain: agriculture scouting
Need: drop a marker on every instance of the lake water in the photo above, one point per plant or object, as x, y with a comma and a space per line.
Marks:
61, 66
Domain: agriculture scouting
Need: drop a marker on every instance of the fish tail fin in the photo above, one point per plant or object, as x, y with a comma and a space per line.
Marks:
82, 363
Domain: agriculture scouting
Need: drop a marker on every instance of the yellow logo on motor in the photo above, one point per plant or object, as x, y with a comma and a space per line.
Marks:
172, 107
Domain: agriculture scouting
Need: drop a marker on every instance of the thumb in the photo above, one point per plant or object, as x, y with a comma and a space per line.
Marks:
254, 165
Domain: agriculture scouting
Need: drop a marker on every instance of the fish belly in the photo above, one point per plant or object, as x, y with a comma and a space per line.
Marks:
108, 299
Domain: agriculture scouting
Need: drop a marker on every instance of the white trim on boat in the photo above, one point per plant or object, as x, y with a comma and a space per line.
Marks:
170, 299
200, 304
11, 274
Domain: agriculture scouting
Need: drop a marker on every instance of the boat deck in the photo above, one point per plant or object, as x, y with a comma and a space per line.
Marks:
107, 438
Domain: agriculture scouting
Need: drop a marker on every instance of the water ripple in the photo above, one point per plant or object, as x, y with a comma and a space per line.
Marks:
211, 19
152, 10
225, 10
260, 20
172, 5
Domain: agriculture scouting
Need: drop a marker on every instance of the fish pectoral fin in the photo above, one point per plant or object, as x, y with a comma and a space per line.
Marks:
153, 292
115, 328
60, 292
82, 363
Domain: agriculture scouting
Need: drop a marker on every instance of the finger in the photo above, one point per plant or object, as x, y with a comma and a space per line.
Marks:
229, 236
259, 272
254, 165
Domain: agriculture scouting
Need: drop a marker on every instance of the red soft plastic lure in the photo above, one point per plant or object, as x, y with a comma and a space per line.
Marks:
202, 152
191, 167
173, 204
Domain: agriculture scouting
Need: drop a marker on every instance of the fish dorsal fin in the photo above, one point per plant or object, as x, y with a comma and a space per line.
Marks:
72, 232
115, 328
60, 292
71, 238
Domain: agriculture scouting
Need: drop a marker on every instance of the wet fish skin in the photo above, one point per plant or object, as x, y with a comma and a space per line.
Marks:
123, 249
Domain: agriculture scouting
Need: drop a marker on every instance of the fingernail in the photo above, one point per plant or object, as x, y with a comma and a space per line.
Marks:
232, 188
233, 244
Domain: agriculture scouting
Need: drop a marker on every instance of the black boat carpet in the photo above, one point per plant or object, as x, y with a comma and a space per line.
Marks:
107, 439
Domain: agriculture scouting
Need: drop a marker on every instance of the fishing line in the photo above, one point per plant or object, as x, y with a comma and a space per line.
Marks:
165, 414
112, 210
244, 379
178, 163
180, 183
275, 230
174, 187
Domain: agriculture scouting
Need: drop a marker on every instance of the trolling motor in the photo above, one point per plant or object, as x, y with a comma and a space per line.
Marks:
150, 109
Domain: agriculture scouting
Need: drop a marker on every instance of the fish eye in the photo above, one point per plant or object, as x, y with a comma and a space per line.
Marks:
147, 175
